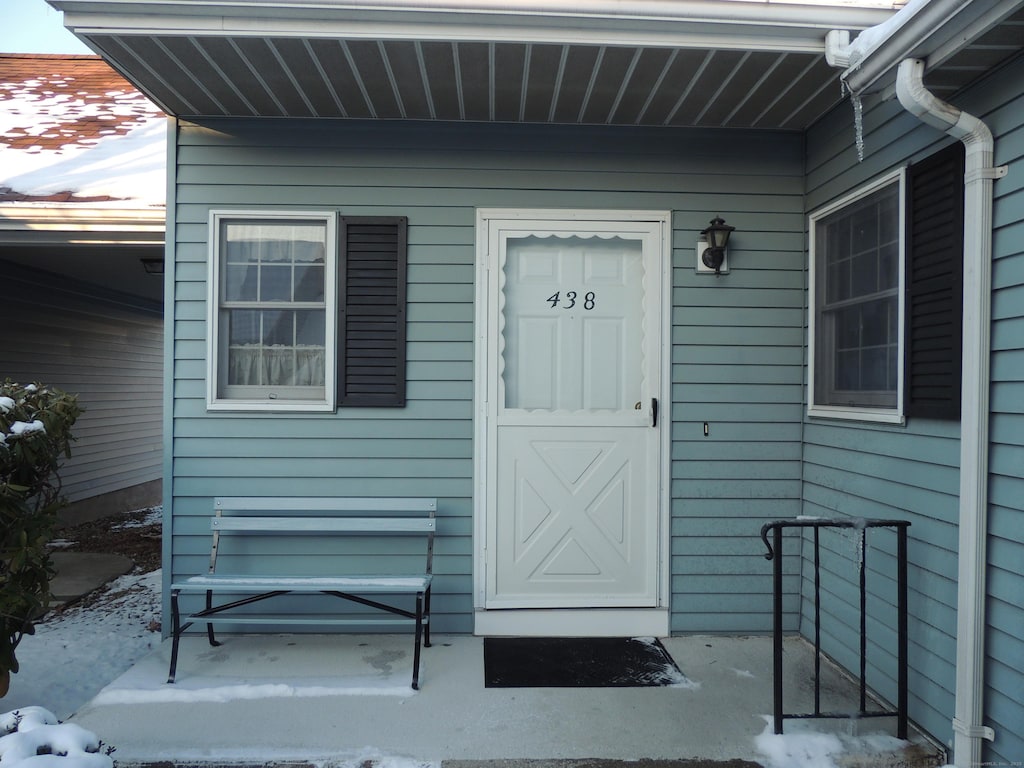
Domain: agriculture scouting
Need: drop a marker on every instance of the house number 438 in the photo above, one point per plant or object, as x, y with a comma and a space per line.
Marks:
569, 300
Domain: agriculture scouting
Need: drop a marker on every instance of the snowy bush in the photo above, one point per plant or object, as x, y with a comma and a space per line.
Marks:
35, 433
32, 737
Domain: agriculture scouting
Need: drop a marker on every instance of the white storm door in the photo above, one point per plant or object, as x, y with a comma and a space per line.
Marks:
575, 369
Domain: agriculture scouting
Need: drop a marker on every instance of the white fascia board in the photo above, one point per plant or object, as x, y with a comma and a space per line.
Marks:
790, 26
22, 223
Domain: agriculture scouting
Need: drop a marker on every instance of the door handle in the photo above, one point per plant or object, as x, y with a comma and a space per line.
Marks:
654, 411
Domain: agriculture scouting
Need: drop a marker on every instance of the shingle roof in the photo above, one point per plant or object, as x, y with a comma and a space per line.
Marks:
56, 108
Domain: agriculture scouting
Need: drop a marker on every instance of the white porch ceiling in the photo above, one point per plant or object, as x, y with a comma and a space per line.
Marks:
684, 63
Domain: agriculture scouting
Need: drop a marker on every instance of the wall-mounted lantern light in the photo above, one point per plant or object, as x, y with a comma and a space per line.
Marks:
711, 246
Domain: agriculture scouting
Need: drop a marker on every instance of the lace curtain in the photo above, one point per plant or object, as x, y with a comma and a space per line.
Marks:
270, 366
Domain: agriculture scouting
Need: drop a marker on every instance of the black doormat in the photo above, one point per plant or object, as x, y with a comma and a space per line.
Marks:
577, 662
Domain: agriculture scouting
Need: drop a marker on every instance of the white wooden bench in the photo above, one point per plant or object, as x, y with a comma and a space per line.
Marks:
313, 517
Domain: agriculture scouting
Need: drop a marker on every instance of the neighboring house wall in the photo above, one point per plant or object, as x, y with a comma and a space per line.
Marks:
107, 349
912, 472
737, 340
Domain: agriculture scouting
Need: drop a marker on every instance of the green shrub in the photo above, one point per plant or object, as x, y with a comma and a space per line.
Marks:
35, 434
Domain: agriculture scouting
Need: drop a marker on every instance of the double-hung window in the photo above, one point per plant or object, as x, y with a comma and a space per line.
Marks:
856, 319
272, 309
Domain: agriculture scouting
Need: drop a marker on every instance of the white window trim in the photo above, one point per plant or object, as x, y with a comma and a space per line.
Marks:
882, 415
213, 401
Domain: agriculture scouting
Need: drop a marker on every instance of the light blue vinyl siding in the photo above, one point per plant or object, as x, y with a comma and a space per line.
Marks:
912, 472
736, 340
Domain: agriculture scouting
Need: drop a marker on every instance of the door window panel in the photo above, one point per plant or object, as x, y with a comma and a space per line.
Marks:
572, 323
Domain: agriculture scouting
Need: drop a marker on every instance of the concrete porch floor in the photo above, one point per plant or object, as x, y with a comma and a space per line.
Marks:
345, 699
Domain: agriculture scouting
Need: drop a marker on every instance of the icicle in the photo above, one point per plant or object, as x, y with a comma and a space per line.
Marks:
858, 119
860, 525
858, 125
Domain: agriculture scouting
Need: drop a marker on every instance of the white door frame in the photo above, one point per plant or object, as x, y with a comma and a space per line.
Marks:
638, 621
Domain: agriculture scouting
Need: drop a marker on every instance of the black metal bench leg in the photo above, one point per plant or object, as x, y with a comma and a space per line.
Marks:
175, 635
426, 620
209, 626
416, 647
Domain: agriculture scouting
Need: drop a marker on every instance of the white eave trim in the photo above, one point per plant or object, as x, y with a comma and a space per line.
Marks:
26, 223
789, 26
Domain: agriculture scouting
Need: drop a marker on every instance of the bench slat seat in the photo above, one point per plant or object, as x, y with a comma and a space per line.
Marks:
241, 516
323, 524
308, 619
243, 584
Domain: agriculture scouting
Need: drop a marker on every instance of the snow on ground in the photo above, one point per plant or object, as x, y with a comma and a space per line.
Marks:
75, 653
815, 749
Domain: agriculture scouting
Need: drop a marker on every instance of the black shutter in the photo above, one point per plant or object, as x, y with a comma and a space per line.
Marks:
371, 313
935, 240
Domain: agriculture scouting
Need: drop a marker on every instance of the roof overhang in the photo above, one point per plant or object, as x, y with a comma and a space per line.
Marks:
97, 246
709, 63
48, 225
963, 38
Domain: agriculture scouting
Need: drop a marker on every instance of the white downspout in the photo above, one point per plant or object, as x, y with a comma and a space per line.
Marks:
968, 724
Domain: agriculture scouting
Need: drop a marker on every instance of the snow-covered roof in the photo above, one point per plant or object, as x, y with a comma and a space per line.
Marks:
73, 132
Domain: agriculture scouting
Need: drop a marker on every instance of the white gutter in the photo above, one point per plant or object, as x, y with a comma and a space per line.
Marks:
968, 718
935, 29
776, 26
802, 13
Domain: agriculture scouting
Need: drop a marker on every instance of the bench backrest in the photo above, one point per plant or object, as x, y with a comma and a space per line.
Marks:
395, 516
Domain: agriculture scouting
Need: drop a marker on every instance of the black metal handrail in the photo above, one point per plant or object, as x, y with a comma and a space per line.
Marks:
775, 553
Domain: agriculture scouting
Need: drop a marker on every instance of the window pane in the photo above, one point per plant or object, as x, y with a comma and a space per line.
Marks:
888, 219
275, 283
838, 239
278, 327
243, 326
848, 329
277, 250
874, 368
310, 329
239, 245
865, 229
838, 284
847, 371
865, 275
309, 283
888, 266
573, 336
240, 282
310, 251
875, 329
